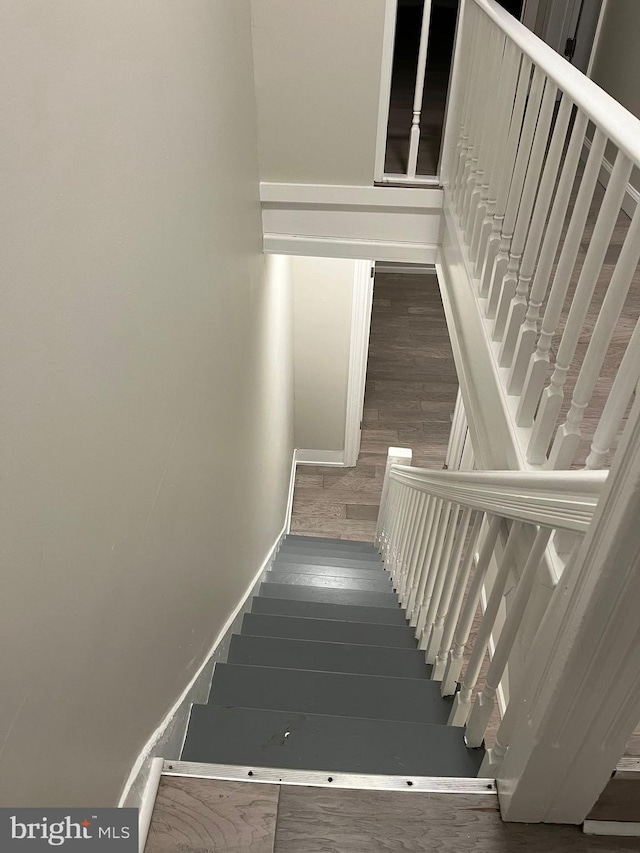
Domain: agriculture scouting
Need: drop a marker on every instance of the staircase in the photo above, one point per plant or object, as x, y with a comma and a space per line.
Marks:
326, 675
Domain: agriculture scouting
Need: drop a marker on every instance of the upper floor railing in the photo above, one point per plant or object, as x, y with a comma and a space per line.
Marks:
552, 256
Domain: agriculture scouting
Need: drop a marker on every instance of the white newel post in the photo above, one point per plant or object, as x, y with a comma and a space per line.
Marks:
395, 456
580, 697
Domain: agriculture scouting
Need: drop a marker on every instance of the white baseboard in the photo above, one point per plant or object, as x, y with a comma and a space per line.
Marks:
405, 269
320, 457
631, 196
624, 829
168, 739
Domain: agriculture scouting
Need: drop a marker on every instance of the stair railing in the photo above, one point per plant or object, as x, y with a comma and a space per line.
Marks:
439, 532
535, 244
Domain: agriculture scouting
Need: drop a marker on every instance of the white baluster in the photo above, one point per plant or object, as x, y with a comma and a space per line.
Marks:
422, 603
513, 302
414, 138
424, 564
406, 533
553, 395
457, 598
501, 262
498, 131
485, 700
407, 575
472, 13
540, 363
462, 701
456, 655
477, 107
569, 433
435, 634
506, 173
441, 569
479, 184
528, 332
623, 386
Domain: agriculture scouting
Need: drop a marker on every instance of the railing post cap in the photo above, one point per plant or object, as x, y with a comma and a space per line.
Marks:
400, 455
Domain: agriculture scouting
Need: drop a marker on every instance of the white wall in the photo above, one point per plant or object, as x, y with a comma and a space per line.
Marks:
147, 375
317, 69
617, 61
322, 298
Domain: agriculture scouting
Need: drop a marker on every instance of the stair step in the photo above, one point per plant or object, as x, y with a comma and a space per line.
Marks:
330, 596
357, 633
258, 738
335, 571
327, 657
322, 542
319, 610
322, 581
409, 700
345, 560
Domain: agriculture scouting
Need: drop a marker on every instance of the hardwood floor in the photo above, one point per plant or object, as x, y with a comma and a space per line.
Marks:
206, 816
409, 399
202, 815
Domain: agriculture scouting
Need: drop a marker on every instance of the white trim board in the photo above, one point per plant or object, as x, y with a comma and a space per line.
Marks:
623, 829
631, 196
320, 457
335, 247
167, 740
405, 269
358, 354
377, 223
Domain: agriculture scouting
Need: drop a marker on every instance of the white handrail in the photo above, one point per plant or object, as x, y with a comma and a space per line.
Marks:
565, 500
622, 128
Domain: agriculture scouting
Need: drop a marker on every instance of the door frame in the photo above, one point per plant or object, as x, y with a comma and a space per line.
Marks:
361, 306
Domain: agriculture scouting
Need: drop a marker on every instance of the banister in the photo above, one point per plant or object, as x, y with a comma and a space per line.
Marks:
565, 500
621, 127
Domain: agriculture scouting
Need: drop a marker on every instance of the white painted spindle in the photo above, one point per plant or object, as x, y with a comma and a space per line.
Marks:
442, 570
569, 433
485, 700
414, 138
528, 332
462, 701
463, 629
553, 395
457, 598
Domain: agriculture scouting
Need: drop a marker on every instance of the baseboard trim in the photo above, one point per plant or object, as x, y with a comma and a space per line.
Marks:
405, 269
169, 737
631, 196
320, 457
622, 829
341, 247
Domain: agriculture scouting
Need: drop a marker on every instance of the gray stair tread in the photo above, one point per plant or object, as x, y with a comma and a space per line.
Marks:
358, 633
378, 583
329, 596
327, 657
335, 571
322, 542
410, 700
320, 610
258, 738
313, 558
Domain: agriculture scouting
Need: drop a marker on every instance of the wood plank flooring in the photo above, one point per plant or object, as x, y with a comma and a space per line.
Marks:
409, 399
197, 815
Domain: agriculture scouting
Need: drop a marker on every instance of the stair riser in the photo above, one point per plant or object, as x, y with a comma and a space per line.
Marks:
315, 559
372, 697
321, 542
324, 630
340, 612
334, 571
323, 581
327, 657
329, 596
